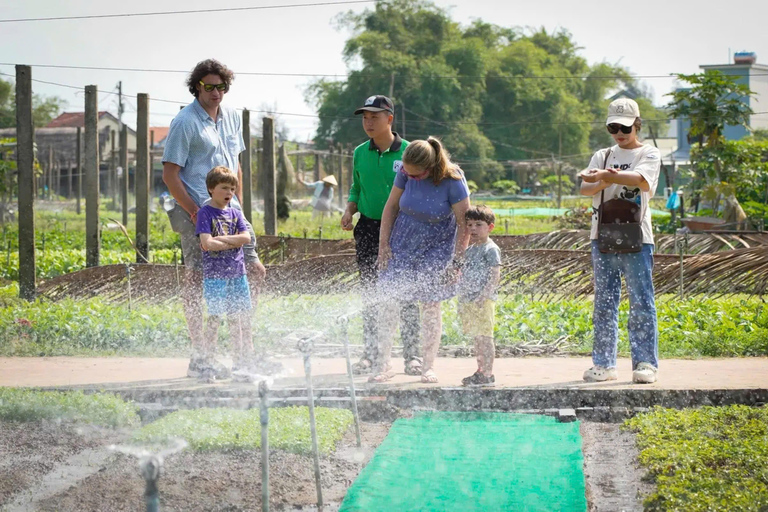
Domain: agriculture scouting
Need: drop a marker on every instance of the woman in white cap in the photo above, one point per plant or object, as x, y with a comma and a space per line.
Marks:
627, 172
322, 199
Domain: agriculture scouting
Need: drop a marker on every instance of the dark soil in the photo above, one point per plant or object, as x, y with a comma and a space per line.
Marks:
30, 450
613, 474
228, 481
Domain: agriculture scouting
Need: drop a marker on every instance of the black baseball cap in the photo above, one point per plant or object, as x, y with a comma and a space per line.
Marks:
377, 103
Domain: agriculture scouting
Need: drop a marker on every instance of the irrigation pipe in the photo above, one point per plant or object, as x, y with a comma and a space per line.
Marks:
305, 346
264, 419
344, 324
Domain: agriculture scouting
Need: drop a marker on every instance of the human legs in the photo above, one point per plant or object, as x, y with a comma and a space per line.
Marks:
410, 320
643, 326
382, 367
605, 318
431, 329
477, 320
367, 250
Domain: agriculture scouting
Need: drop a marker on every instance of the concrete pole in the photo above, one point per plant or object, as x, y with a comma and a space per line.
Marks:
142, 177
113, 169
25, 151
247, 185
317, 167
49, 172
124, 165
91, 170
69, 180
270, 189
79, 167
340, 199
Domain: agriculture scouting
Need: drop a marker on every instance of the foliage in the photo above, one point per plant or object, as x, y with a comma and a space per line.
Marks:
24, 405
43, 109
506, 187
232, 429
464, 83
742, 164
713, 101
93, 326
712, 458
550, 183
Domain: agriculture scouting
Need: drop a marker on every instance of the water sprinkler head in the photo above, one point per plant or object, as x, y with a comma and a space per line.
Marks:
150, 467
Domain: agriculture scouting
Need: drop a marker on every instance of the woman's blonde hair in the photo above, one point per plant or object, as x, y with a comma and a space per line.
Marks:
431, 156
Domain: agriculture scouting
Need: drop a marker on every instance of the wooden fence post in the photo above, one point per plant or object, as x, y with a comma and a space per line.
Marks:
247, 185
341, 176
142, 177
113, 170
125, 178
317, 167
91, 169
25, 158
79, 167
270, 189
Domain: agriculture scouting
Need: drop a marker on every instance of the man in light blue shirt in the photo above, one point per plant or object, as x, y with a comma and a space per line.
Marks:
202, 136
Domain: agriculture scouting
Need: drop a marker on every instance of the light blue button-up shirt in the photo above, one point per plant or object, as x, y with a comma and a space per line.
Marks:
197, 144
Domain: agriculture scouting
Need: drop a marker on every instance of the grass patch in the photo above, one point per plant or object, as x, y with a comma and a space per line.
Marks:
712, 458
24, 405
233, 429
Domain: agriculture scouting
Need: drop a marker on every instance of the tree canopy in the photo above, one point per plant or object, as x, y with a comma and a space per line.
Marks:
44, 109
492, 93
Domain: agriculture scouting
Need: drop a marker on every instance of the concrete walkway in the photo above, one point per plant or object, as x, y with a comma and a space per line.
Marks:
546, 373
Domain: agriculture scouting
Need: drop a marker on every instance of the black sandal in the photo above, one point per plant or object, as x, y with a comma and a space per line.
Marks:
362, 367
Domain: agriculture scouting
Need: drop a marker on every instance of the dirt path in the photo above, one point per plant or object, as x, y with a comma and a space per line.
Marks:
612, 473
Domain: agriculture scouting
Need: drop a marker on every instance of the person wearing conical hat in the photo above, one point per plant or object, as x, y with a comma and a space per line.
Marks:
322, 198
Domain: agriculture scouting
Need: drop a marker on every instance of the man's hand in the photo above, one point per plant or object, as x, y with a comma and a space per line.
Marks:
346, 221
193, 215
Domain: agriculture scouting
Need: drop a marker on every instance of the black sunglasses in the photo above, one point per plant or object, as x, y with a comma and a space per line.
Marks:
614, 128
219, 87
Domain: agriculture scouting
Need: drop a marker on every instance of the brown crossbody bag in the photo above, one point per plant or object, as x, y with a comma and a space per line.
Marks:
619, 224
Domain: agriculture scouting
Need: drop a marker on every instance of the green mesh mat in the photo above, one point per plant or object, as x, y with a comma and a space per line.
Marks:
473, 462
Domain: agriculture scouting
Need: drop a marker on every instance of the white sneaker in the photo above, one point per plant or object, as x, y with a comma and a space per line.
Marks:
600, 374
645, 373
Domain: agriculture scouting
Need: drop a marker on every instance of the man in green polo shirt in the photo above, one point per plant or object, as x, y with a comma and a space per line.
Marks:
372, 180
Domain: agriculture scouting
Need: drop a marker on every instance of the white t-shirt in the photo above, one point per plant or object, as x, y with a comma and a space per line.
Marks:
645, 160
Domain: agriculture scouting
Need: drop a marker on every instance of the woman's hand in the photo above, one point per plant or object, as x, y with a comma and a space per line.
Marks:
385, 254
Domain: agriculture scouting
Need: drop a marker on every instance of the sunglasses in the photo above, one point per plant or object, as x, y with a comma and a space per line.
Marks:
614, 128
219, 87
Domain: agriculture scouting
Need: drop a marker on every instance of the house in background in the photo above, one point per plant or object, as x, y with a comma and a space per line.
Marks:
747, 71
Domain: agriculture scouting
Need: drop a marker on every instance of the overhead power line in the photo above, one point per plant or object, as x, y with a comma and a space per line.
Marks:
191, 11
339, 75
355, 118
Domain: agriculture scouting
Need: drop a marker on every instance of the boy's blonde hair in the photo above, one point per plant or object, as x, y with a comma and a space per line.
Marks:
218, 175
431, 156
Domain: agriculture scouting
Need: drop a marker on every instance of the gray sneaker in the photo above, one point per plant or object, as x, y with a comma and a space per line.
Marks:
645, 373
207, 369
600, 374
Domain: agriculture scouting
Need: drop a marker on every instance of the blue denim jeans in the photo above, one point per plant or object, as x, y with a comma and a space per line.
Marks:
643, 329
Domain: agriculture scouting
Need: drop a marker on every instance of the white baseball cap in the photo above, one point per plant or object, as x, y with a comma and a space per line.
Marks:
623, 111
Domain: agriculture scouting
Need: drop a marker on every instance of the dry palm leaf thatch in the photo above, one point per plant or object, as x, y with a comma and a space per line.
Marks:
280, 249
721, 273
578, 240
318, 275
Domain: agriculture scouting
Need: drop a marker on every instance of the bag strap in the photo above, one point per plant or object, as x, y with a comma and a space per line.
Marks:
602, 192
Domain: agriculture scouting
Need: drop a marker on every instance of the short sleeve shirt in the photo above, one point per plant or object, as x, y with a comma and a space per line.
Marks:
479, 261
427, 201
229, 221
197, 143
646, 161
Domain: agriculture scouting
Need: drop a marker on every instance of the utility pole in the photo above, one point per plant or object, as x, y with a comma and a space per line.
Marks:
120, 107
124, 165
79, 167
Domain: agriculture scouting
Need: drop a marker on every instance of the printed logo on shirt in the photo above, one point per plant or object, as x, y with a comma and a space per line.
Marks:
652, 156
622, 167
397, 166
630, 195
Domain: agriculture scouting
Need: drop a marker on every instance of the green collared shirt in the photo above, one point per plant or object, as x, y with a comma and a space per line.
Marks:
373, 176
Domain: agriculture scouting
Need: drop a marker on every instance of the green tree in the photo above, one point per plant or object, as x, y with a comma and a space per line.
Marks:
44, 109
712, 101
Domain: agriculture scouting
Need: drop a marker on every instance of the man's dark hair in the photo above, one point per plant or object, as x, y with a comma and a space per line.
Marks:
480, 212
205, 68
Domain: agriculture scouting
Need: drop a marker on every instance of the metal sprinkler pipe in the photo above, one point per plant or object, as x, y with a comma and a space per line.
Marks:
305, 346
150, 470
264, 419
344, 324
